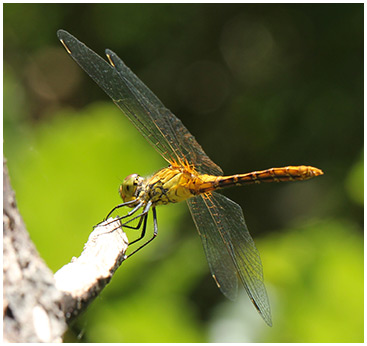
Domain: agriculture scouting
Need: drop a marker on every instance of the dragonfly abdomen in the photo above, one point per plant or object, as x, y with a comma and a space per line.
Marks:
289, 173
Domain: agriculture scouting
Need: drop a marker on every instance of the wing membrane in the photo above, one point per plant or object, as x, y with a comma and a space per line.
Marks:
225, 236
163, 130
219, 260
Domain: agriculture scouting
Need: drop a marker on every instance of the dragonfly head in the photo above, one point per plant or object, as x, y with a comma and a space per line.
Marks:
130, 187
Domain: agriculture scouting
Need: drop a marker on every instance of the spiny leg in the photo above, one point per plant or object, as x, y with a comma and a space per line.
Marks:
144, 212
141, 216
117, 207
155, 232
130, 213
124, 205
143, 230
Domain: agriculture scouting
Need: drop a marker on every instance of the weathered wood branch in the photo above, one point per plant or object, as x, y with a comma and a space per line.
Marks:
85, 277
37, 304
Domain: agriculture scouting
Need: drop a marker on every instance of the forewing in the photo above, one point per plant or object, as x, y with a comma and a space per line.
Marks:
159, 126
224, 217
182, 142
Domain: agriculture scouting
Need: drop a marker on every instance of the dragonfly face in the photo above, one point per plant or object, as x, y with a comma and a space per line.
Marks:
191, 176
130, 187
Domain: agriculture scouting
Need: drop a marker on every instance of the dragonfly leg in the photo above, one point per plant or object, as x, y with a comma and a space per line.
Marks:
145, 217
124, 205
132, 212
122, 217
141, 216
155, 232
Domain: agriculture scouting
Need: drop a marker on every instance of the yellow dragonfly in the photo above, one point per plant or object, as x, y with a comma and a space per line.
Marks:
191, 176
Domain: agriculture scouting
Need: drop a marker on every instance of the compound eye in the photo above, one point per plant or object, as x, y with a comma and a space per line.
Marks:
128, 187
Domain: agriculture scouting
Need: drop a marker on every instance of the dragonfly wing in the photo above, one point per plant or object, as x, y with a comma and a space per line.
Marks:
221, 216
182, 142
220, 262
157, 124
109, 79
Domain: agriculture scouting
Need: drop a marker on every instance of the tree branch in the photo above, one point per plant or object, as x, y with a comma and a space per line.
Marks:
31, 310
85, 277
37, 304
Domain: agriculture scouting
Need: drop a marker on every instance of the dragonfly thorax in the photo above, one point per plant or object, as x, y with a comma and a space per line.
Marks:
169, 185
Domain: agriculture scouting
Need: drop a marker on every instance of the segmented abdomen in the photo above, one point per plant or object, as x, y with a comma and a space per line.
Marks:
289, 173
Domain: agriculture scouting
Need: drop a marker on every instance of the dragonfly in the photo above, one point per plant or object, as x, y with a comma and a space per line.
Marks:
191, 176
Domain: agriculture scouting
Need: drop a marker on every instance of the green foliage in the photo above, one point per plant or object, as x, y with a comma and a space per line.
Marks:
316, 268
355, 183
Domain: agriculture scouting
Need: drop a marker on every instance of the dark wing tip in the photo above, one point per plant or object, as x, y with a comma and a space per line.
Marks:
66, 38
109, 52
114, 59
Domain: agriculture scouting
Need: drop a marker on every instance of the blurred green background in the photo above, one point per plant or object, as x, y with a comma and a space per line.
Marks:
260, 86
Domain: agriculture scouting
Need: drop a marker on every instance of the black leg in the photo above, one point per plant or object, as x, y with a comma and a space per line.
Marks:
120, 206
155, 232
123, 205
144, 212
130, 213
141, 216
143, 230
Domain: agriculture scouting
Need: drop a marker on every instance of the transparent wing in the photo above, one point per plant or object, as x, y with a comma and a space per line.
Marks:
229, 248
163, 130
220, 262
